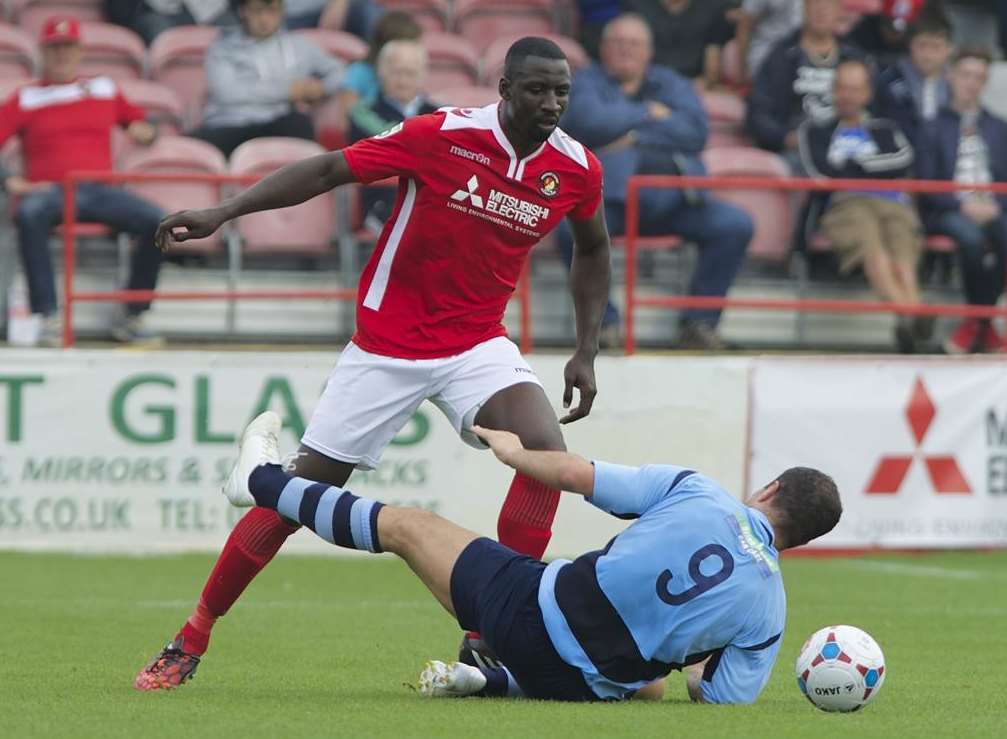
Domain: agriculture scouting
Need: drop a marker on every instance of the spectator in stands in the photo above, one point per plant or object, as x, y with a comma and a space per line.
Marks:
877, 230
885, 35
402, 70
65, 123
689, 35
761, 25
361, 83
794, 83
968, 144
151, 17
261, 79
642, 118
912, 91
354, 16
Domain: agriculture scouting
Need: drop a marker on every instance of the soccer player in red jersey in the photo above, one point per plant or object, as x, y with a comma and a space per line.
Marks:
478, 188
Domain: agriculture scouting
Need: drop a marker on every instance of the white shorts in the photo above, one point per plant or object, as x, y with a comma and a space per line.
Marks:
369, 397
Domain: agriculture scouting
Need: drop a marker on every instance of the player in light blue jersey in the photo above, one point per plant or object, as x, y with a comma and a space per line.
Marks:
693, 583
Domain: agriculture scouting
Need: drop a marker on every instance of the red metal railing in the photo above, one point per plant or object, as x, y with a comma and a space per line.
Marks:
639, 182
72, 296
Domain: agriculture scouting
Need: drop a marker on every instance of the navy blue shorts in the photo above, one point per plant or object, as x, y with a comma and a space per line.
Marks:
495, 592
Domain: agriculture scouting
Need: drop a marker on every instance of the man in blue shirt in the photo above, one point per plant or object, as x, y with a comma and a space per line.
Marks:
694, 581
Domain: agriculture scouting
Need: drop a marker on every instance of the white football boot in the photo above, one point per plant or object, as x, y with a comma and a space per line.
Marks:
259, 445
451, 680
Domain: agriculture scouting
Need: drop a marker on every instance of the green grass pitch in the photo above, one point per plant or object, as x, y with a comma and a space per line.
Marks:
326, 647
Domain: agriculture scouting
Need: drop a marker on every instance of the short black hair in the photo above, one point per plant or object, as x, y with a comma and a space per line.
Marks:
528, 46
933, 22
982, 53
808, 505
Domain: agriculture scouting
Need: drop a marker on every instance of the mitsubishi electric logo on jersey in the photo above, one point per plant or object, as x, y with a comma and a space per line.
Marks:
945, 474
500, 207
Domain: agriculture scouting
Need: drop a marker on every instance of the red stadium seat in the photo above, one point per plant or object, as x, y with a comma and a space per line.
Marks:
163, 109
493, 57
772, 210
452, 61
161, 103
484, 21
179, 154
726, 112
176, 60
32, 14
432, 15
307, 228
18, 55
112, 50
344, 46
466, 96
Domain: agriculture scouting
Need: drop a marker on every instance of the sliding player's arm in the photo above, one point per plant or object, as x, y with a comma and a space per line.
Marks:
560, 470
625, 492
735, 675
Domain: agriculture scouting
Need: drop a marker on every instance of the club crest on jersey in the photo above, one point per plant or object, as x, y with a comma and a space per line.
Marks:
548, 184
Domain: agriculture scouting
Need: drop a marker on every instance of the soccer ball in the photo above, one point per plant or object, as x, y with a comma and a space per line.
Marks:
840, 668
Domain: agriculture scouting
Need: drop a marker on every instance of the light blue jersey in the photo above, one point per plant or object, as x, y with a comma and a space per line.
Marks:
695, 576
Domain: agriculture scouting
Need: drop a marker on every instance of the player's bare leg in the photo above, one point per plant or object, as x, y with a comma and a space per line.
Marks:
253, 542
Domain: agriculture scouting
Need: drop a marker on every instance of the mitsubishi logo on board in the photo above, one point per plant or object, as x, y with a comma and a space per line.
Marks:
943, 470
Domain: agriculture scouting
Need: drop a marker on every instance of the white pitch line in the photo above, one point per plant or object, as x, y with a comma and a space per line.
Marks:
905, 568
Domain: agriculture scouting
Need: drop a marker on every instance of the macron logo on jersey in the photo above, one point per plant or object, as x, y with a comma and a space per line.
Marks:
461, 196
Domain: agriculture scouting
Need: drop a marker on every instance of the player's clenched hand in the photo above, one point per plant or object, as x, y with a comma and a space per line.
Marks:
186, 225
579, 373
503, 443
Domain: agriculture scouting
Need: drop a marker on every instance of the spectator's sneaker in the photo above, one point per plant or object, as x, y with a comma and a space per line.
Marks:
130, 329
905, 339
923, 329
474, 652
259, 445
452, 680
699, 335
51, 334
610, 336
169, 669
966, 339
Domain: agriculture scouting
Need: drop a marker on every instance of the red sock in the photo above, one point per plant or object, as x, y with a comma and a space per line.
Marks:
253, 542
525, 523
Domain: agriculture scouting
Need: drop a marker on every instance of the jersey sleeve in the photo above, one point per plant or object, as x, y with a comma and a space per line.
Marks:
628, 492
10, 118
588, 204
740, 673
127, 112
398, 152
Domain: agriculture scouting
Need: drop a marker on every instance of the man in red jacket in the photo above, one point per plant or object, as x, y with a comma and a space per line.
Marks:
65, 123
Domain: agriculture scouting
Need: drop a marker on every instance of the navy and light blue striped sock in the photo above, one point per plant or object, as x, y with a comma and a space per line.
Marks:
499, 684
336, 515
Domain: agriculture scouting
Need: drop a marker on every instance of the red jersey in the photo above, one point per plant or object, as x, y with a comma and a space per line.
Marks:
66, 127
467, 214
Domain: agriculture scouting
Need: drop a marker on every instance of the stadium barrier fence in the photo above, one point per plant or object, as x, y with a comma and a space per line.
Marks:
635, 301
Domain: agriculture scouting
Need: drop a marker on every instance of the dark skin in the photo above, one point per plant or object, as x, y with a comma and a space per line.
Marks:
534, 95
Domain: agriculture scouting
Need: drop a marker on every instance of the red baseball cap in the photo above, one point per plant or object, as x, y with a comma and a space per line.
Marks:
60, 28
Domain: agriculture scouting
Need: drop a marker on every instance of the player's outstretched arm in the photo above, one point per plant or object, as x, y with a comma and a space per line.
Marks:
590, 277
560, 470
289, 185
